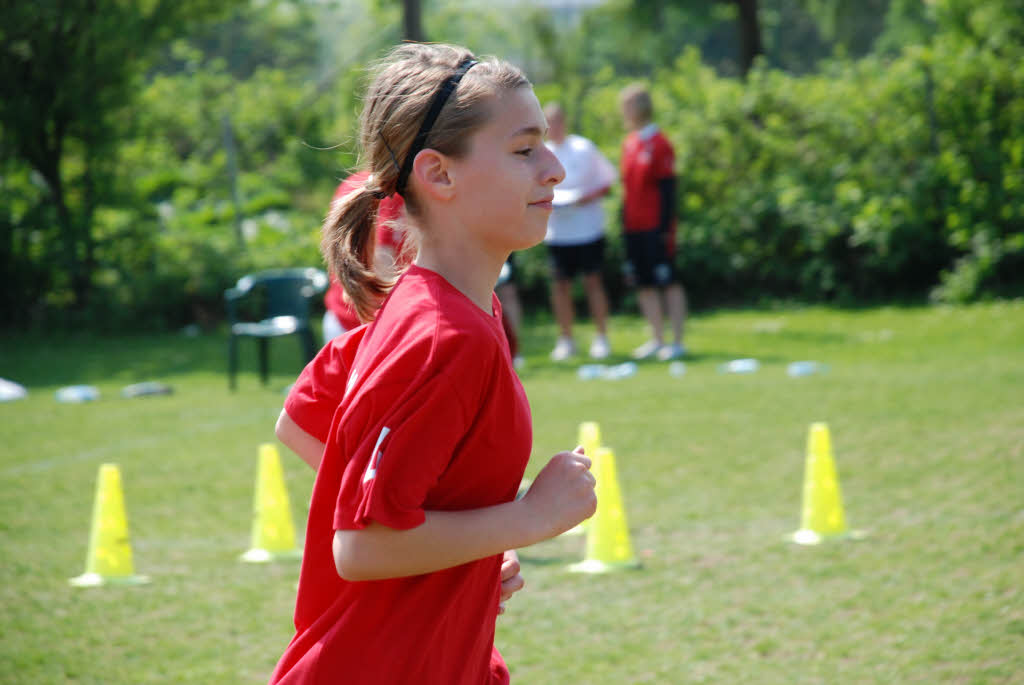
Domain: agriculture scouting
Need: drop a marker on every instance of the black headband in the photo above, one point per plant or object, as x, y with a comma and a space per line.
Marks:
428, 123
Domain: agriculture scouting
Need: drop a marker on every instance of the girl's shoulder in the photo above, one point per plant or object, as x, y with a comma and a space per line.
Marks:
428, 322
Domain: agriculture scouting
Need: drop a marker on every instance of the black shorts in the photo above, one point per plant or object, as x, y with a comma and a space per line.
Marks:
649, 260
569, 260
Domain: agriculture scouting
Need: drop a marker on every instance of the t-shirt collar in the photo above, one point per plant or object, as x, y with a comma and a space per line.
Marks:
648, 131
424, 272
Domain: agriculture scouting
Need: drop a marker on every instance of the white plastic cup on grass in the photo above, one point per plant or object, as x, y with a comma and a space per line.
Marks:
741, 366
805, 368
77, 393
589, 372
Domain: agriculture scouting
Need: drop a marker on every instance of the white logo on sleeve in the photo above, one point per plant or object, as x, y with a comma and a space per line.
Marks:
371, 468
352, 378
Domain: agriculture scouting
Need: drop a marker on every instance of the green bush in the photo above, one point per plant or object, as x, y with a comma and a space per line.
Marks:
882, 178
887, 177
870, 179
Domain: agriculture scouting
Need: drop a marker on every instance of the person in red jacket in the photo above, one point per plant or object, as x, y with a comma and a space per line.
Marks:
424, 426
649, 224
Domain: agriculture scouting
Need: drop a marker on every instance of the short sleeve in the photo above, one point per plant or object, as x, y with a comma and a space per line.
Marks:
664, 162
392, 466
313, 399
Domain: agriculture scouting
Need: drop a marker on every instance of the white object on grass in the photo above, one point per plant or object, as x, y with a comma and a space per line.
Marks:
9, 390
589, 372
146, 388
619, 371
78, 393
741, 366
805, 368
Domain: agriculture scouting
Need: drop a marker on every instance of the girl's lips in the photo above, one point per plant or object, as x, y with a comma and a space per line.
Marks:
543, 204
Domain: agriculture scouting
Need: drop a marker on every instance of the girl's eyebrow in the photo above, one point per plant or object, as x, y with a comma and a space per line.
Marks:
529, 131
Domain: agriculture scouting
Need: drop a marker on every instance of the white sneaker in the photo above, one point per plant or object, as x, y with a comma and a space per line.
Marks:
564, 349
647, 350
599, 347
670, 352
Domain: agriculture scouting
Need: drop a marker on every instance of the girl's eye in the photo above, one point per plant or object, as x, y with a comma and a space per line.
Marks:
525, 152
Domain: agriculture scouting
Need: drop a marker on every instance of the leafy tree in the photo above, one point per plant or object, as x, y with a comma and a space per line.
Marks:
69, 66
286, 87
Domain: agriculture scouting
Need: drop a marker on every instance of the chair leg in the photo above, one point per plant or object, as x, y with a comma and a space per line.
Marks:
264, 361
308, 345
232, 361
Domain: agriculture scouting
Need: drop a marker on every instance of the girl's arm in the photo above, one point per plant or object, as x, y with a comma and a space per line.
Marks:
561, 496
594, 195
309, 449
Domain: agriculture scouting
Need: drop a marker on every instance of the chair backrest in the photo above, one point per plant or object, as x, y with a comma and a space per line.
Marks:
285, 292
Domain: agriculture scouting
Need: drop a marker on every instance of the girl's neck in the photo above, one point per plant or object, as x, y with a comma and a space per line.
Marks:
471, 270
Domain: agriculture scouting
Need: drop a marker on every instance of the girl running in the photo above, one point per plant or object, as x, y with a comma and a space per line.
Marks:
426, 427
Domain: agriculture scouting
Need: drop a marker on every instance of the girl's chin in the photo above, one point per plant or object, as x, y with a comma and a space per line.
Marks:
525, 237
534, 235
528, 242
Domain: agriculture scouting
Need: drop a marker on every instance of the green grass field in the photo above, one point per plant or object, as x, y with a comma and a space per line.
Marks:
926, 409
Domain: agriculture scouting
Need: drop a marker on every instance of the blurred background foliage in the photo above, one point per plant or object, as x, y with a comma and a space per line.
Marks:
828, 150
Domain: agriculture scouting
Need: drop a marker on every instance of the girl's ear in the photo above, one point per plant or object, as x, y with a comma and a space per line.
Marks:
430, 169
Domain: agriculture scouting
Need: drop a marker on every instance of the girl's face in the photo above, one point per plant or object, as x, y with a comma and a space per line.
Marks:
506, 181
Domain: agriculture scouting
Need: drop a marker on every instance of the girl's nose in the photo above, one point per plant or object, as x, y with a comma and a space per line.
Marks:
555, 172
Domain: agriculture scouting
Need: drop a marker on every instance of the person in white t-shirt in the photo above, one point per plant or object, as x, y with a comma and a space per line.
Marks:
575, 237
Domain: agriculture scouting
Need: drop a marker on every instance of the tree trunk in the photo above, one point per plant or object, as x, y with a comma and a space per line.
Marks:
87, 266
51, 172
412, 24
750, 34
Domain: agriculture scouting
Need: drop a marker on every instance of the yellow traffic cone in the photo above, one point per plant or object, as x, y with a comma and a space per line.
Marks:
822, 516
109, 561
608, 545
589, 438
273, 535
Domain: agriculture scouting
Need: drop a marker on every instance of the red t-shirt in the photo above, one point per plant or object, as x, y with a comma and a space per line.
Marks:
647, 158
431, 417
390, 210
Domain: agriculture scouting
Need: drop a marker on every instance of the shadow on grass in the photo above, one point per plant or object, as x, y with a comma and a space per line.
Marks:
812, 337
35, 361
571, 367
720, 356
545, 561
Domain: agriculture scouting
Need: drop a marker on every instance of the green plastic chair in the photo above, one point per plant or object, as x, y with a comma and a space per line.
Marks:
280, 300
